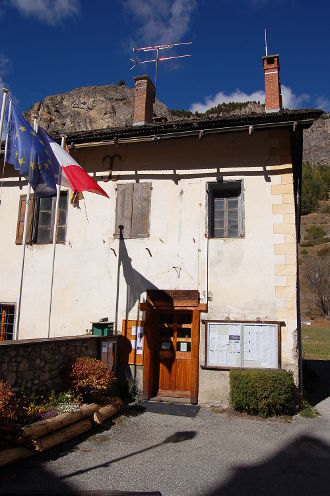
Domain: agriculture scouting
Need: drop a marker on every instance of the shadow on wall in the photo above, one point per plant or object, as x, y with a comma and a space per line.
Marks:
136, 284
300, 469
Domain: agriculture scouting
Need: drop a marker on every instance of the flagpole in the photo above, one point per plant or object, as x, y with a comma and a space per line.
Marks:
58, 190
27, 208
3, 109
6, 144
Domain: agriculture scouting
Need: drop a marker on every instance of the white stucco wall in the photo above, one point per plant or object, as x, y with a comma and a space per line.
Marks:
242, 278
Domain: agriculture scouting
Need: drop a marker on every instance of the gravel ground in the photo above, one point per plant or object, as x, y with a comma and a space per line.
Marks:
211, 454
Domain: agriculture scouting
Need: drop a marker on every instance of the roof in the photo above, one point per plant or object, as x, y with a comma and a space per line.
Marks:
286, 118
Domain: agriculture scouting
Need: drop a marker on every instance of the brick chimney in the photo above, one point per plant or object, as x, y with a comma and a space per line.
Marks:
273, 95
144, 100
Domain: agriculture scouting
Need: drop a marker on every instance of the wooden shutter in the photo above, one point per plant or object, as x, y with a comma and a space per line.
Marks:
62, 217
124, 208
20, 220
141, 207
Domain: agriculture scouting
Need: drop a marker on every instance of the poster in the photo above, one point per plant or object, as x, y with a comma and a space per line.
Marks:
224, 348
139, 340
260, 345
242, 345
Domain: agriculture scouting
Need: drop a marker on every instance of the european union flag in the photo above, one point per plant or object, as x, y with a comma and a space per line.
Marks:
28, 154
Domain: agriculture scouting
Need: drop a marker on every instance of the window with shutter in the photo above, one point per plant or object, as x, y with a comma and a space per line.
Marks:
41, 219
133, 210
226, 213
20, 220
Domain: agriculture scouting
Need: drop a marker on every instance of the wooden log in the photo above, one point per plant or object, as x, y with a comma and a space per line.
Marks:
44, 427
104, 413
61, 436
14, 454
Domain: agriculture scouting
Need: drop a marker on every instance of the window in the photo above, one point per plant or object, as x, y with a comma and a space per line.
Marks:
41, 219
225, 205
7, 313
242, 344
133, 210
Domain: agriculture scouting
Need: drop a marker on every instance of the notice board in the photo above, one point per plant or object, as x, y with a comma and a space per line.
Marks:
132, 342
242, 345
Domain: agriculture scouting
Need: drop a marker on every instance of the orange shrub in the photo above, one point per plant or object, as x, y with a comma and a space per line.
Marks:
89, 374
8, 403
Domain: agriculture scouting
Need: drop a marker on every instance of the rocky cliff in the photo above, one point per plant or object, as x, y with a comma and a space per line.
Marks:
87, 108
317, 141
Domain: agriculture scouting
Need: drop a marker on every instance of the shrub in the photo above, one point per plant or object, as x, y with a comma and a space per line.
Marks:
263, 392
89, 375
315, 232
315, 186
316, 273
324, 252
9, 407
127, 387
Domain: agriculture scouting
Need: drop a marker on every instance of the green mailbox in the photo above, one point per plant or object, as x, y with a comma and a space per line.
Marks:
102, 328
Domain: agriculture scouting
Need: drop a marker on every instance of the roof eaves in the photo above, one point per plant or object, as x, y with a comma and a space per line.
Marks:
279, 119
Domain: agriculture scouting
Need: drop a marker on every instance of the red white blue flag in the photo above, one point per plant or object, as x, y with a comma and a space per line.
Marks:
73, 175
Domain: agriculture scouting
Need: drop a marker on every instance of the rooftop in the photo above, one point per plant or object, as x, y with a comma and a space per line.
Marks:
285, 118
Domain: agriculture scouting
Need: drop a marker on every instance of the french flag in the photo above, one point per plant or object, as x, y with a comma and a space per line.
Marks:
73, 175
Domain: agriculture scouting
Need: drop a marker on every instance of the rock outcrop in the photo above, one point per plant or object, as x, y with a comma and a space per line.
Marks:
317, 142
88, 108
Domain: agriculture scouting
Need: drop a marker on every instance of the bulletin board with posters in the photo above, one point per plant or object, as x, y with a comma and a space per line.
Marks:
242, 344
131, 348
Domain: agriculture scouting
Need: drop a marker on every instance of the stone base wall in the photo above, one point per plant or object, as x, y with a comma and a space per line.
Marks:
37, 365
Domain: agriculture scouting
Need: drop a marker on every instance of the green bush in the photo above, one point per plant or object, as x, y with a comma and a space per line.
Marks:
127, 387
315, 186
263, 392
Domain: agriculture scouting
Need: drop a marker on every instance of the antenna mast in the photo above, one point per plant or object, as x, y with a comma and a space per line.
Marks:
266, 48
157, 48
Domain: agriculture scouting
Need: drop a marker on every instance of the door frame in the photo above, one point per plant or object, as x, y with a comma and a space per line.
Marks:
152, 309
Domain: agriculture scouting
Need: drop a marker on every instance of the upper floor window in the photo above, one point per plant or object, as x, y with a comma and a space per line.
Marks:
41, 219
133, 210
226, 213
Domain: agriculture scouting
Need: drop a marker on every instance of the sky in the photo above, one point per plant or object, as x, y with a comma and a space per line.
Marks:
52, 46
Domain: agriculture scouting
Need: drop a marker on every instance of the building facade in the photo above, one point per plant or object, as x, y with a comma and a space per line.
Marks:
193, 257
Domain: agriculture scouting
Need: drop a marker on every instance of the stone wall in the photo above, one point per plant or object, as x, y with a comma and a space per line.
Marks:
40, 364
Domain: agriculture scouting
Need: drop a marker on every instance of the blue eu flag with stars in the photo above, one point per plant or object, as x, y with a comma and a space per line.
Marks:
28, 154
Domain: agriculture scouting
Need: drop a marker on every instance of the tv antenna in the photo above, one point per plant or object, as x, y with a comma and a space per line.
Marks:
266, 48
157, 48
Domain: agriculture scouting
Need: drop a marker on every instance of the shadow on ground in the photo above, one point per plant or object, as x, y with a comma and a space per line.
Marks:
31, 477
316, 380
300, 469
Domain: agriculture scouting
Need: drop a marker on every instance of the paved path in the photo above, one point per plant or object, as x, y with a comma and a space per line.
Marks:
211, 454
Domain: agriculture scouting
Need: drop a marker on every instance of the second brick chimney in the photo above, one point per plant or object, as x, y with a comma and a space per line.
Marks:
273, 96
144, 100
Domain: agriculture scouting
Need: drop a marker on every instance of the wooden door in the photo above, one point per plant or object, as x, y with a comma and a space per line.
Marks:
175, 353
